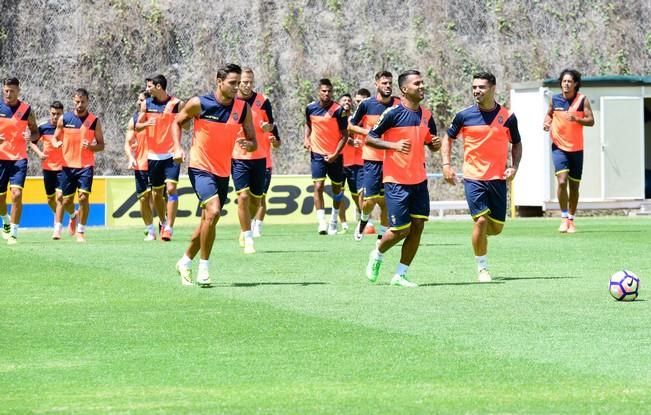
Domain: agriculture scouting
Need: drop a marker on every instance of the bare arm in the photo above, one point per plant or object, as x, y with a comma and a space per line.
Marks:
435, 145
191, 110
402, 146
356, 129
142, 123
306, 138
33, 128
248, 142
57, 138
516, 155
588, 116
99, 139
448, 172
128, 143
35, 149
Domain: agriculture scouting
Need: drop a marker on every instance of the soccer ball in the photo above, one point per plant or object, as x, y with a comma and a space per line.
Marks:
624, 285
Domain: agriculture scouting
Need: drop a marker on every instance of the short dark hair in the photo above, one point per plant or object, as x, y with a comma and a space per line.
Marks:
12, 82
576, 76
363, 92
148, 79
485, 75
160, 80
81, 92
57, 105
383, 74
223, 72
325, 81
345, 95
402, 78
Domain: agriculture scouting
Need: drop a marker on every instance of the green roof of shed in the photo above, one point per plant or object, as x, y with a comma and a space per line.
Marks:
606, 80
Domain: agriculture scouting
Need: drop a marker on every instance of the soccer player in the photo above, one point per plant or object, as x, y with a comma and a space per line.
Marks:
79, 134
218, 118
352, 159
325, 136
403, 131
51, 159
568, 113
487, 129
248, 168
157, 116
16, 117
258, 221
365, 117
135, 147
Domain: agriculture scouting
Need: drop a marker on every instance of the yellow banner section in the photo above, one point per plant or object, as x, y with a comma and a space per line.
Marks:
289, 200
34, 191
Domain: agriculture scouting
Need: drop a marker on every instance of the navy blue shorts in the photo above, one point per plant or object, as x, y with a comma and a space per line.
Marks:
73, 180
267, 181
486, 197
354, 176
406, 201
322, 169
372, 179
142, 182
12, 173
249, 174
207, 186
51, 181
163, 171
568, 161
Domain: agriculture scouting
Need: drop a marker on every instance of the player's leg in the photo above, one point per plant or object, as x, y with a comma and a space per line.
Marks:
336, 175
50, 184
399, 208
574, 182
373, 192
256, 191
85, 180
172, 172
262, 209
319, 172
4, 186
16, 185
156, 170
477, 196
562, 168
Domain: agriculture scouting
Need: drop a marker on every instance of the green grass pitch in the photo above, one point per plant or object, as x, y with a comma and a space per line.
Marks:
106, 327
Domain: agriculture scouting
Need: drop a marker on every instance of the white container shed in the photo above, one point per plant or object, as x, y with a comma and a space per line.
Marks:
617, 149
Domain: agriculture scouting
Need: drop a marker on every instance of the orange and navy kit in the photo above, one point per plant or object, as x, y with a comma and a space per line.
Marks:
140, 152
405, 178
13, 150
366, 116
567, 136
78, 162
486, 138
248, 168
326, 126
160, 147
215, 132
52, 165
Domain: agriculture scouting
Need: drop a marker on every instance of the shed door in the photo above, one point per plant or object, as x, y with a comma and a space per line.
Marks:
622, 145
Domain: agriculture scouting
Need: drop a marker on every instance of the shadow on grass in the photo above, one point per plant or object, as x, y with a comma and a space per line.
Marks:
289, 251
433, 244
257, 284
531, 278
451, 284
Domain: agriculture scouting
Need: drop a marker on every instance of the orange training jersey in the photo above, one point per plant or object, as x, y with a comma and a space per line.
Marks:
486, 137
327, 125
159, 136
366, 116
215, 132
398, 123
53, 156
140, 152
75, 131
261, 112
13, 123
567, 135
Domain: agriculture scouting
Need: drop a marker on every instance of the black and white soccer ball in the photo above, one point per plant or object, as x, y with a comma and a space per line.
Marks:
624, 285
